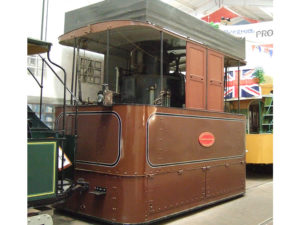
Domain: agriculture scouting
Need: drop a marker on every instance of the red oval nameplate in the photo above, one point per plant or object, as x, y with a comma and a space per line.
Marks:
206, 139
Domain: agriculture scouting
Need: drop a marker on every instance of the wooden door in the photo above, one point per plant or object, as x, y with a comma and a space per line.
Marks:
195, 76
215, 77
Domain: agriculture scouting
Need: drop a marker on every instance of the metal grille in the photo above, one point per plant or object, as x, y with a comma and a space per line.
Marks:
89, 70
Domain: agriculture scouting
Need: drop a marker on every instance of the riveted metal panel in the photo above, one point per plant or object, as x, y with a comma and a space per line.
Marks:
138, 192
179, 188
93, 128
225, 177
106, 206
173, 139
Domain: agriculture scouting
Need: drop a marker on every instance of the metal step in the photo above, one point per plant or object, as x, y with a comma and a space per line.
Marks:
98, 191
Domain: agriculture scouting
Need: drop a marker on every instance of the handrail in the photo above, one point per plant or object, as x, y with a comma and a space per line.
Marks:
41, 93
40, 85
67, 89
34, 78
64, 118
63, 82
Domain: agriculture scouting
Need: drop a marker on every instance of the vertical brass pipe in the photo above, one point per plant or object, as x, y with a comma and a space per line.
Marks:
107, 56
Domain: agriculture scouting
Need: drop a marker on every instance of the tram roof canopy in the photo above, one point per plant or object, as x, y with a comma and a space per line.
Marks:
152, 13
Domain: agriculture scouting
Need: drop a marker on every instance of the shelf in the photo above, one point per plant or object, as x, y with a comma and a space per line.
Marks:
266, 132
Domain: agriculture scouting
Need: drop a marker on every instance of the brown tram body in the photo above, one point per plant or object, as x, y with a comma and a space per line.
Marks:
149, 157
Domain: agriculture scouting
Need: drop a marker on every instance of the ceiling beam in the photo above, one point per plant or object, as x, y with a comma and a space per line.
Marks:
252, 13
254, 9
187, 4
257, 3
179, 5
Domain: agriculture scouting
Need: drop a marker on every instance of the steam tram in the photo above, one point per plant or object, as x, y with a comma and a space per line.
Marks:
153, 141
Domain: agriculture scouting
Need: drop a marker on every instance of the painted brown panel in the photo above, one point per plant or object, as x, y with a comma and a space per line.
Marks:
178, 188
174, 138
93, 129
124, 201
138, 192
132, 138
195, 76
225, 177
215, 77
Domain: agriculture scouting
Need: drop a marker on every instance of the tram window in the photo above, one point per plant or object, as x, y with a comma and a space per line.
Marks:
90, 75
134, 67
254, 123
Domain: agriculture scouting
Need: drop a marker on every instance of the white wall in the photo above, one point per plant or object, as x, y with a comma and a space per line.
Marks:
59, 54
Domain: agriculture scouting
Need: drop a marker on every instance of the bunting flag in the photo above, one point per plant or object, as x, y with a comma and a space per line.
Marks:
249, 87
268, 49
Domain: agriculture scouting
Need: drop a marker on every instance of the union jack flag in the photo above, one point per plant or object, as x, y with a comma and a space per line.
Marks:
249, 87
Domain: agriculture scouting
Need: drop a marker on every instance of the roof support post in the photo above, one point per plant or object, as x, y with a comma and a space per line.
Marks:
77, 68
161, 66
238, 86
42, 25
73, 68
225, 86
41, 95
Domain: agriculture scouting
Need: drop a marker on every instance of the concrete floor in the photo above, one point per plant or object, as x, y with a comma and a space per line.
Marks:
255, 208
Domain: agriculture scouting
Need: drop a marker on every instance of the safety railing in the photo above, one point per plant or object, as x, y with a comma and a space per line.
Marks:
74, 101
